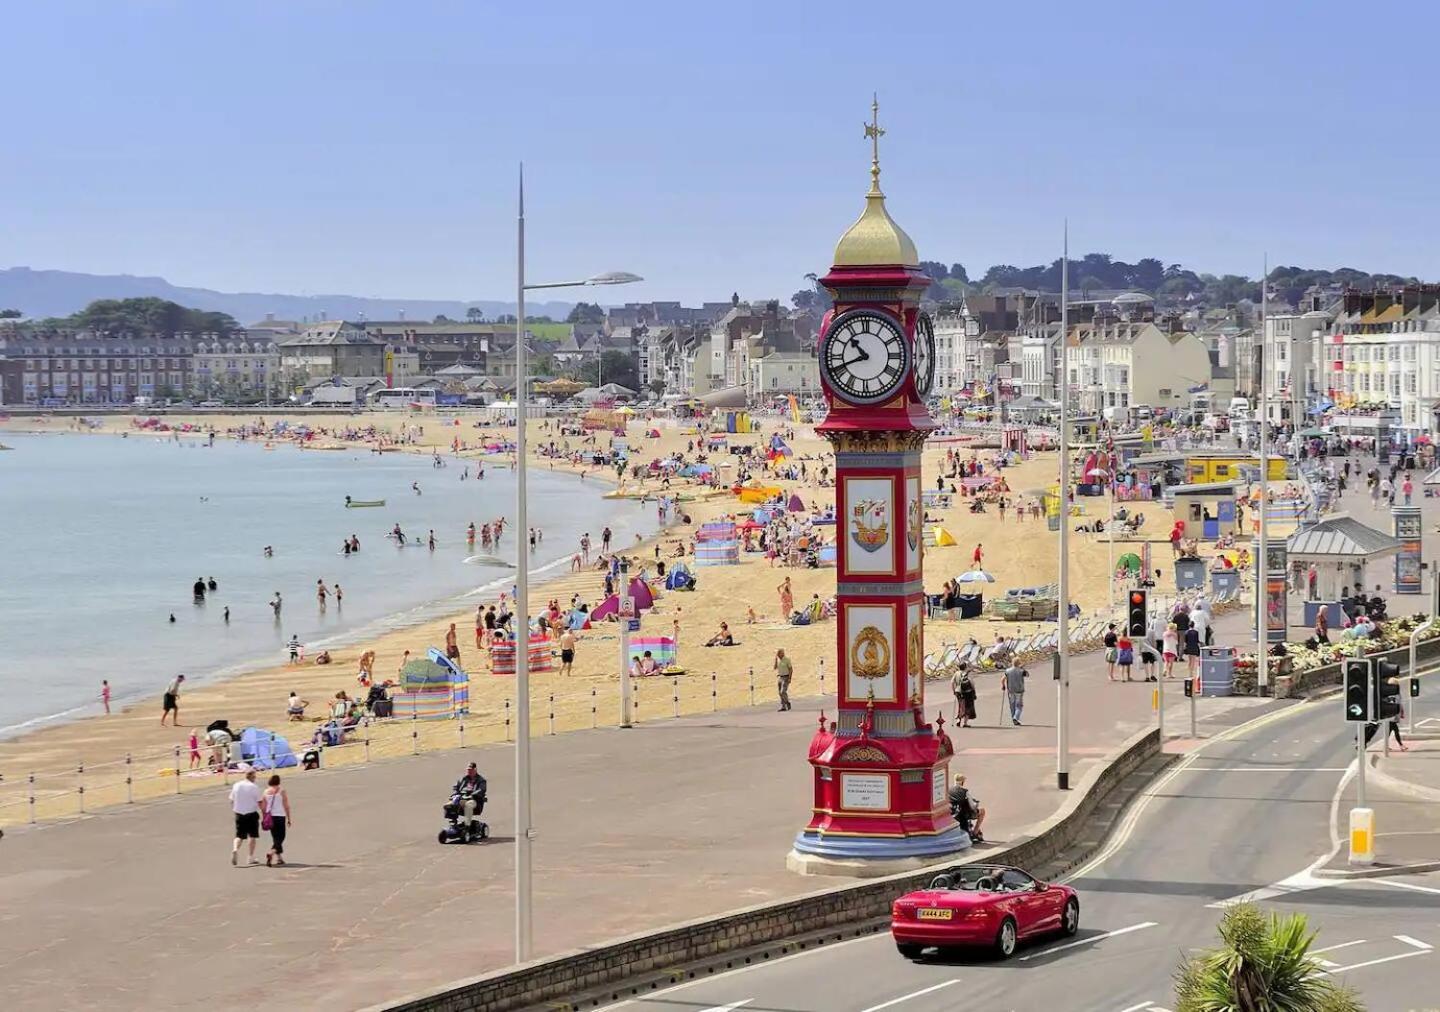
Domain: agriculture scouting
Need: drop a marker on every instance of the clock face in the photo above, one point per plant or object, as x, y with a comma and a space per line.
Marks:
924, 355
865, 356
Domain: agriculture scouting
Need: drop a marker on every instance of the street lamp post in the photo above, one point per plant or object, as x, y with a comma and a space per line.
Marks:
1062, 646
1261, 566
524, 830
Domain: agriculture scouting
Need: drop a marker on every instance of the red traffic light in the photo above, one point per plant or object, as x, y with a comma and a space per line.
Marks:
1137, 597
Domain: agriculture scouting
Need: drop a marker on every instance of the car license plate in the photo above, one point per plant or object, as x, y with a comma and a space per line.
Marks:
934, 914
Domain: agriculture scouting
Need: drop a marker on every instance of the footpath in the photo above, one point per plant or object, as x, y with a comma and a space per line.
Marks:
1403, 789
137, 907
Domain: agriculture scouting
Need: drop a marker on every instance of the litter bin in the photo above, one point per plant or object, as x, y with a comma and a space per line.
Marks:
1217, 671
1224, 581
1189, 574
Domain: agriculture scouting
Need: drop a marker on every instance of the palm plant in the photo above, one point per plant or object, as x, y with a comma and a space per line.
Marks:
1264, 965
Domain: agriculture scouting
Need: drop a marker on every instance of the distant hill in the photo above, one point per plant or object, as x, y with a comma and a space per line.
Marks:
61, 293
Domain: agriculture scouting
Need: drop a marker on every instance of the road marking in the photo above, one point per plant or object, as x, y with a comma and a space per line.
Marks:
1415, 942
1342, 945
729, 1008
1267, 769
1088, 941
1121, 836
1376, 962
1302, 881
907, 997
1405, 885
1137, 1008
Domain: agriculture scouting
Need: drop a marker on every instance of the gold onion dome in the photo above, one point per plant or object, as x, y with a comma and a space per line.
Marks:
875, 240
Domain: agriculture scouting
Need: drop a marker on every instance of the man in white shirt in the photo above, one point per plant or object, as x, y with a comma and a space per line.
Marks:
245, 801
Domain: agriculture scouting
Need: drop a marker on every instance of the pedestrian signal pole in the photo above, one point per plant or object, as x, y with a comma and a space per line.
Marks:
1359, 697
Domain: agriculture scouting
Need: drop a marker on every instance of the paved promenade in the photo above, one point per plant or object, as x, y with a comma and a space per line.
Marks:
139, 908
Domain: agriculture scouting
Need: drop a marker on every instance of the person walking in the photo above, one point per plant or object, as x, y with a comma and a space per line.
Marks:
787, 600
1170, 648
105, 693
967, 696
977, 557
1147, 659
171, 703
1112, 654
1125, 655
784, 670
1013, 681
1192, 650
278, 817
245, 803
452, 644
567, 652
1322, 626
321, 593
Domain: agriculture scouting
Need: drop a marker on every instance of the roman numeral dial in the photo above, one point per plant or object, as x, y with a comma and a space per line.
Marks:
865, 356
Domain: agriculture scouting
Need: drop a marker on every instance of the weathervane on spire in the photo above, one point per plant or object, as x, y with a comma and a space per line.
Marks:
874, 131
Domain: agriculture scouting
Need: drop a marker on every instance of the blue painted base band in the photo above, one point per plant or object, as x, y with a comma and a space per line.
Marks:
882, 847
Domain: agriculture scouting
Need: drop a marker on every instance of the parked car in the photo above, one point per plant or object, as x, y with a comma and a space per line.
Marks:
982, 905
211, 404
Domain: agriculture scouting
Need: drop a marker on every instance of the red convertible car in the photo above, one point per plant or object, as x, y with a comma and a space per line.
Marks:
982, 905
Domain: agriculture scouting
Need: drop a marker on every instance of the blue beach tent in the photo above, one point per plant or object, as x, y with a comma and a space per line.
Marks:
265, 750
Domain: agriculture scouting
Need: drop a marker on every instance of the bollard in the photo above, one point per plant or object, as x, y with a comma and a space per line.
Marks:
177, 769
822, 676
675, 690
414, 735
129, 780
552, 713
1362, 836
462, 732
32, 799
714, 694
367, 740
507, 720
80, 786
752, 686
594, 720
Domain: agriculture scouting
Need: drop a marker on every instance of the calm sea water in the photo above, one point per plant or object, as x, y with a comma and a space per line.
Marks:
107, 535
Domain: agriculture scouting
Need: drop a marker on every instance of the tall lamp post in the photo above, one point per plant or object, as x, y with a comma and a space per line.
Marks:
524, 831
1262, 563
1062, 648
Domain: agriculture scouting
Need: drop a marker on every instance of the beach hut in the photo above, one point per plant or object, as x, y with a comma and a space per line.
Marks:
431, 688
265, 750
1207, 509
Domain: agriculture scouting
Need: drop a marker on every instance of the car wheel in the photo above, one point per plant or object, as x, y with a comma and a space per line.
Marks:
1005, 939
1070, 921
909, 950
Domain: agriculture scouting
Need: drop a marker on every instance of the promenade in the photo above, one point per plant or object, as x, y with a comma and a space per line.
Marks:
137, 907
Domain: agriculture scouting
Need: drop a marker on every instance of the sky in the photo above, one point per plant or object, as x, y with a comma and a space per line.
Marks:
371, 148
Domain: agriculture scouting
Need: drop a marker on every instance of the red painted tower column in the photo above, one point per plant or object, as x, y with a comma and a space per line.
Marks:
881, 772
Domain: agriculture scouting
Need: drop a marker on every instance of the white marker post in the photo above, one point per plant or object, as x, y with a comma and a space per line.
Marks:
627, 612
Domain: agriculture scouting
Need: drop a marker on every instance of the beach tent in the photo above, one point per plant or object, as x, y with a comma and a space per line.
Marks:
716, 530
431, 688
796, 504
944, 537
1130, 562
717, 553
758, 493
779, 448
679, 578
696, 471
579, 620
639, 590
265, 750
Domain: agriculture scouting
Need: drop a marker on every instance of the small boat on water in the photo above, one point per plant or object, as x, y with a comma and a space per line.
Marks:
360, 503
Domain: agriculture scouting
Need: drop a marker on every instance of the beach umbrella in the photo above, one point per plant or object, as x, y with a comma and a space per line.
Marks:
975, 576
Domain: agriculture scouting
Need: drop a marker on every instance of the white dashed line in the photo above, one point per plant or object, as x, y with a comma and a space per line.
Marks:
912, 994
1089, 941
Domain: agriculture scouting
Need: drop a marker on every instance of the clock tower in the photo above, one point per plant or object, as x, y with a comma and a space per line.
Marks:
881, 772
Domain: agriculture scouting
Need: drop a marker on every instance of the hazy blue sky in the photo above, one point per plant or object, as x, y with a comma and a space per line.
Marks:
370, 148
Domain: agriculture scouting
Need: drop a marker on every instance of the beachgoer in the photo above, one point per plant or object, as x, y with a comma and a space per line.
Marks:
567, 652
194, 744
1125, 655
963, 688
245, 803
275, 606
978, 556
784, 669
1111, 643
1170, 648
105, 693
199, 589
211, 585
787, 599
1192, 650
452, 646
276, 809
171, 702
723, 638
321, 593
295, 709
226, 614
339, 596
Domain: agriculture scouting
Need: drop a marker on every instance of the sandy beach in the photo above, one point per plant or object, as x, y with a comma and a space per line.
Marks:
1016, 552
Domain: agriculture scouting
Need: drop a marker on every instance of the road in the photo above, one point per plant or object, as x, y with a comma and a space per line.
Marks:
1249, 814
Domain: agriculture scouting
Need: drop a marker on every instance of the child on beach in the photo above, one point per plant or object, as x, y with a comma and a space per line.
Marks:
105, 694
194, 747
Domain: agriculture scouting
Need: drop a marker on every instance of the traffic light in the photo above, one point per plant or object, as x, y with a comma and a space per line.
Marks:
1189, 687
1357, 690
1386, 691
1414, 688
1139, 614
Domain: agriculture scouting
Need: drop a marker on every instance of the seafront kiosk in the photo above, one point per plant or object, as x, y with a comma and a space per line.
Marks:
881, 773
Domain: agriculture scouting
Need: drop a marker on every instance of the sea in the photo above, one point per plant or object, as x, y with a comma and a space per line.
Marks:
107, 536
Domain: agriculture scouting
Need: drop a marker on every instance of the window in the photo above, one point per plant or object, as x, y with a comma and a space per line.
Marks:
1012, 881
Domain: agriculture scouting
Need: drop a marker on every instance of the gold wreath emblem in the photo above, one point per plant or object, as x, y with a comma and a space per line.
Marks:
912, 652
870, 654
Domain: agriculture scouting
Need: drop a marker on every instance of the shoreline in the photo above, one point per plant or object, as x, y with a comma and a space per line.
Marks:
451, 607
